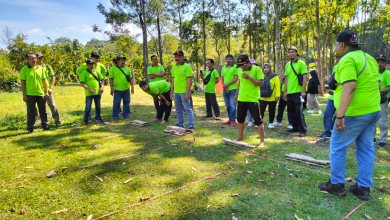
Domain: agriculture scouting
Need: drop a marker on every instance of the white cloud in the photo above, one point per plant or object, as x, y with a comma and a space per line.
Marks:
36, 31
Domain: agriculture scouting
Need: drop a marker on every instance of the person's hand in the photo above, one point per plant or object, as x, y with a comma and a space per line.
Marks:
340, 124
132, 90
172, 96
235, 99
225, 87
25, 99
285, 97
50, 91
101, 90
276, 99
47, 94
303, 94
167, 103
91, 91
186, 97
112, 92
246, 76
227, 91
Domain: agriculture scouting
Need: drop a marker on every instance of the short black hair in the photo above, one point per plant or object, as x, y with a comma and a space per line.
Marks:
28, 54
211, 61
142, 83
151, 58
352, 45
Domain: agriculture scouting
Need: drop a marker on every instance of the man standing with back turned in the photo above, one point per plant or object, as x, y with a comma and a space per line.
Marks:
356, 98
155, 73
296, 76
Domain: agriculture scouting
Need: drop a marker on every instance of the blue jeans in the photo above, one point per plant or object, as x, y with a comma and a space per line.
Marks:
88, 103
361, 130
328, 116
250, 119
230, 104
118, 96
179, 101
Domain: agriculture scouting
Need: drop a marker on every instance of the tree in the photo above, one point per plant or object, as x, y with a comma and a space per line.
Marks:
62, 41
178, 11
7, 36
218, 34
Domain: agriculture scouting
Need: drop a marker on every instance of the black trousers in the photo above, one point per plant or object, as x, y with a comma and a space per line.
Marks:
304, 104
211, 101
281, 107
41, 102
295, 113
253, 108
156, 103
271, 109
163, 108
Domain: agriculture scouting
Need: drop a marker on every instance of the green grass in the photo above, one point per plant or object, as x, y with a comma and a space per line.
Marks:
182, 162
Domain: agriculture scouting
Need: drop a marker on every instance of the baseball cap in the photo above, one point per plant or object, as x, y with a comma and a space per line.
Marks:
380, 57
39, 54
293, 48
120, 57
95, 54
242, 60
348, 37
90, 61
179, 52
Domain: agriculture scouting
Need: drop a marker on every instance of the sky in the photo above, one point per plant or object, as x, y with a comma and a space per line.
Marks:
56, 18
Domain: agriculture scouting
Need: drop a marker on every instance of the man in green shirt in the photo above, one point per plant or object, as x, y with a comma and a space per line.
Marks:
98, 66
91, 81
34, 89
296, 93
229, 81
211, 78
155, 73
120, 81
159, 90
356, 99
384, 90
248, 95
51, 81
181, 90
330, 109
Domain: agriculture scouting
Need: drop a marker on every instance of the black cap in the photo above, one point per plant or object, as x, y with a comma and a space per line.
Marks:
90, 61
348, 37
380, 57
114, 60
179, 52
229, 55
242, 60
95, 54
119, 57
293, 48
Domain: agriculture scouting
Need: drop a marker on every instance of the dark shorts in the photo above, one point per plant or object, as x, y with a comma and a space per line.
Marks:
254, 109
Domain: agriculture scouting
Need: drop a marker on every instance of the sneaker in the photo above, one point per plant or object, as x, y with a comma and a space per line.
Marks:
86, 122
302, 134
58, 124
293, 130
270, 125
227, 122
381, 145
322, 136
310, 111
31, 131
126, 118
278, 124
255, 126
46, 129
233, 123
319, 112
250, 124
100, 121
289, 127
217, 118
362, 193
338, 189
115, 119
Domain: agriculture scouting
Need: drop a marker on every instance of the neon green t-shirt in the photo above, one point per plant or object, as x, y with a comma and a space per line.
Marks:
98, 67
158, 87
283, 87
210, 87
180, 73
292, 80
155, 69
120, 81
87, 78
366, 98
228, 74
33, 78
385, 79
49, 73
249, 92
331, 97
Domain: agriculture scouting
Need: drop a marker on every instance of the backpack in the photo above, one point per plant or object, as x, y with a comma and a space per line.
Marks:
207, 79
266, 90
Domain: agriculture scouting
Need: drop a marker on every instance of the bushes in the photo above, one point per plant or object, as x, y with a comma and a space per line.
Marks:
9, 78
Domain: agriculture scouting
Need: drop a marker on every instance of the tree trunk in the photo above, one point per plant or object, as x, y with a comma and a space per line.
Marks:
228, 44
318, 40
218, 62
268, 37
277, 34
159, 40
144, 40
204, 35
180, 31
307, 51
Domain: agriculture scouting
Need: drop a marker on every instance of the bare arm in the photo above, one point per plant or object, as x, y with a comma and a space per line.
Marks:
216, 80
45, 85
385, 90
87, 88
53, 80
132, 85
25, 99
238, 90
304, 83
172, 87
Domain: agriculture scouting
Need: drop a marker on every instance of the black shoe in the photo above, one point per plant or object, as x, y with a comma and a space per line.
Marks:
100, 121
322, 136
86, 122
381, 145
46, 129
338, 189
208, 116
30, 131
294, 130
362, 193
58, 124
302, 134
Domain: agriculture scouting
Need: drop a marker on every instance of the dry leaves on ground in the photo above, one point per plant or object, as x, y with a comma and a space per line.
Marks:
143, 199
193, 169
89, 217
297, 218
128, 181
348, 179
51, 173
234, 195
100, 179
19, 176
22, 211
61, 211
234, 218
249, 171
367, 216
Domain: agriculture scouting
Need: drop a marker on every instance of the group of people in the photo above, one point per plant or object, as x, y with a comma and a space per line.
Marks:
360, 86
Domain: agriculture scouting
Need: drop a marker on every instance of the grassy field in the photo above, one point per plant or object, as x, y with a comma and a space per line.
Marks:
164, 169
